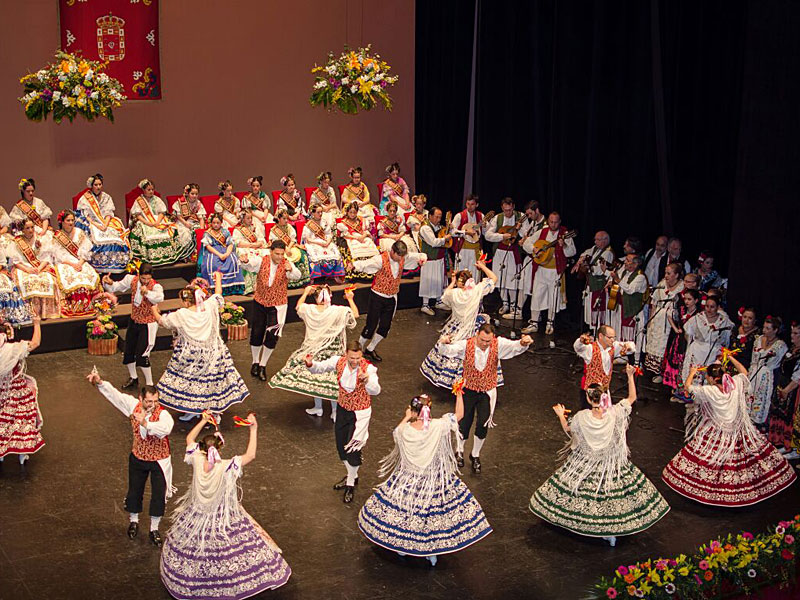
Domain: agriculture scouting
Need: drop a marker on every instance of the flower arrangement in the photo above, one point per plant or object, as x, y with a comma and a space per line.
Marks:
69, 87
740, 562
232, 314
102, 327
354, 80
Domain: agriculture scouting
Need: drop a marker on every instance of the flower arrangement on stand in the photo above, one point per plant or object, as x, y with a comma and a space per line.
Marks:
726, 567
356, 79
232, 316
71, 86
101, 332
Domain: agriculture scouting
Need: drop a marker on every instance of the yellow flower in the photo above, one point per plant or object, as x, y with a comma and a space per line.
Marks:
364, 86
684, 571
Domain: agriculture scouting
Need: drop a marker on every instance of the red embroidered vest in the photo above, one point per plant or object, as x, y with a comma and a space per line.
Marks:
274, 295
384, 282
593, 372
142, 313
151, 447
480, 381
358, 399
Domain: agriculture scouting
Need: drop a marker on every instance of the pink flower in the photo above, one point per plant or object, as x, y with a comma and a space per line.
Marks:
622, 570
703, 564
789, 539
611, 592
747, 535
98, 331
661, 564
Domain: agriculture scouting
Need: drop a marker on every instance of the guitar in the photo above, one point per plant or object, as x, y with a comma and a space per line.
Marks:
511, 229
544, 253
472, 231
613, 291
448, 219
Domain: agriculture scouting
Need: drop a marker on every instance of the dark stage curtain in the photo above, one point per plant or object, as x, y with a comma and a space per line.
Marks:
638, 117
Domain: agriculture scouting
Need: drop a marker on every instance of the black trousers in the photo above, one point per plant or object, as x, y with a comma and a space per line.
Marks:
137, 342
474, 402
343, 431
265, 326
380, 312
138, 470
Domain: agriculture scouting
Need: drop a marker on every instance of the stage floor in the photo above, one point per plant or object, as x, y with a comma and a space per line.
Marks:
62, 528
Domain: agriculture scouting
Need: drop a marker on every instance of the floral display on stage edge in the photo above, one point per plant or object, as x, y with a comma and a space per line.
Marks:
355, 80
734, 564
232, 314
102, 327
69, 87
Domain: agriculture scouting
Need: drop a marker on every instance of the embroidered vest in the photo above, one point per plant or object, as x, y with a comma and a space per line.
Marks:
594, 372
358, 399
385, 282
431, 252
150, 448
274, 295
142, 313
480, 381
632, 304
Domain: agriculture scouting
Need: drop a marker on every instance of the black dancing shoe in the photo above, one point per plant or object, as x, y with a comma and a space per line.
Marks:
349, 492
341, 484
155, 538
372, 356
131, 383
460, 459
262, 373
476, 464
133, 530
254, 370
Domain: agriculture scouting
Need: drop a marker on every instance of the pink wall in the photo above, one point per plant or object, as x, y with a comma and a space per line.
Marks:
236, 81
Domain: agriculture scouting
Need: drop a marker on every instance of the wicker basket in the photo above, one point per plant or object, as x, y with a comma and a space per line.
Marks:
103, 347
237, 332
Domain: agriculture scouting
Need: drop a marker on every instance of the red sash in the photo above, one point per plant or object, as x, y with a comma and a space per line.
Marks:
316, 229
258, 203
290, 201
219, 236
392, 226
143, 204
322, 196
30, 212
353, 228
247, 233
358, 192
186, 210
282, 235
63, 239
396, 188
27, 251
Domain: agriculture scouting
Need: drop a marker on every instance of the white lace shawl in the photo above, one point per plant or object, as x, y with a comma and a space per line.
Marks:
10, 355
198, 325
465, 304
324, 326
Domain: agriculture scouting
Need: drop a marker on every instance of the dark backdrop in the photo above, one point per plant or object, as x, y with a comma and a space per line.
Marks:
637, 117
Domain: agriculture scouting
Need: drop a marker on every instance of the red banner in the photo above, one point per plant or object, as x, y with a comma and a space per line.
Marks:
122, 32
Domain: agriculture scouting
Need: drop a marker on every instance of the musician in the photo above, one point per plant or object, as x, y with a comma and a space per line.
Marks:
674, 255
532, 224
503, 231
652, 259
468, 249
549, 292
432, 274
630, 304
596, 264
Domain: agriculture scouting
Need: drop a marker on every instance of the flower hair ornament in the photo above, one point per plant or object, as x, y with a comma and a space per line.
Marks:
25, 182
605, 401
703, 298
213, 456
469, 284
324, 297
61, 216
422, 403
284, 181
740, 312
728, 385
144, 183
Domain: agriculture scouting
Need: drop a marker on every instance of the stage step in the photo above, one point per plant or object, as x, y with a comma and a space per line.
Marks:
184, 270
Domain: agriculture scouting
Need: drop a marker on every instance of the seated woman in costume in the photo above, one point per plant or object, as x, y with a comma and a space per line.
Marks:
258, 202
295, 252
393, 228
395, 190
29, 255
190, 215
357, 191
33, 208
250, 239
218, 253
227, 206
96, 216
319, 239
13, 309
325, 196
290, 200
78, 282
355, 242
154, 239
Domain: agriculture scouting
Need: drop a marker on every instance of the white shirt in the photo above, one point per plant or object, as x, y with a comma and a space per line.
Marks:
505, 349
585, 351
254, 264
349, 376
427, 234
154, 296
127, 404
370, 266
651, 268
592, 255
637, 286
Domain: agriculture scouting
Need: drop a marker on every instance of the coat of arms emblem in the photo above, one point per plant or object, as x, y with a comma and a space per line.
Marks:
111, 38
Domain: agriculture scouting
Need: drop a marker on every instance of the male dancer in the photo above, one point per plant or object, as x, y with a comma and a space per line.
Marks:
358, 382
481, 355
598, 357
271, 303
382, 304
142, 328
150, 455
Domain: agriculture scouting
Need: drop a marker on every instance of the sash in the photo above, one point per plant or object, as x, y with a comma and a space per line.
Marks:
322, 196
358, 192
392, 226
227, 204
282, 235
247, 233
186, 211
219, 236
113, 222
30, 212
396, 188
258, 203
316, 229
143, 204
419, 218
63, 239
27, 251
289, 200
353, 228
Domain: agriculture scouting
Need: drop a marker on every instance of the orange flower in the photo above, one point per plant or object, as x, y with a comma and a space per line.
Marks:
631, 590
629, 578
64, 66
708, 575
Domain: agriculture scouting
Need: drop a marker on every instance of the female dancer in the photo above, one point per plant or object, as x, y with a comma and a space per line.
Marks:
218, 253
726, 461
320, 242
355, 243
295, 252
77, 280
676, 343
35, 276
154, 239
423, 508
326, 336
214, 548
784, 419
464, 297
111, 252
764, 371
598, 492
200, 375
20, 417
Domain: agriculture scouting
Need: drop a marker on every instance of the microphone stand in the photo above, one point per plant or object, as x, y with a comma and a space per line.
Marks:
515, 305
